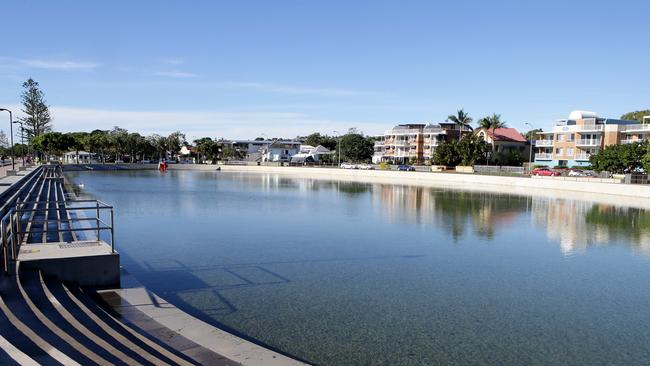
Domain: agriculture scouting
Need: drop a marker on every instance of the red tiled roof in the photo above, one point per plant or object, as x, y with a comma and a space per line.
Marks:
506, 134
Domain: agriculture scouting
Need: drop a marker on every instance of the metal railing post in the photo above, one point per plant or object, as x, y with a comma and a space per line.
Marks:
12, 222
5, 259
97, 221
112, 233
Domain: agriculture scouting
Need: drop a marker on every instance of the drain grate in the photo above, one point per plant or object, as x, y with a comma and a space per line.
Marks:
79, 245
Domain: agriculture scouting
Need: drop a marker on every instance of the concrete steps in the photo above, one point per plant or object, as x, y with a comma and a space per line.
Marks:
46, 322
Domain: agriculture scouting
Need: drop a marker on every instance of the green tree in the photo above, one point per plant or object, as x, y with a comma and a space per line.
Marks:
97, 142
355, 147
52, 143
492, 123
623, 158
316, 139
77, 141
531, 135
37, 118
462, 119
446, 153
173, 142
636, 115
471, 149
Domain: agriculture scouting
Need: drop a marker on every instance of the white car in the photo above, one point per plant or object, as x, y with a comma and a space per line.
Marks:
348, 166
577, 173
365, 167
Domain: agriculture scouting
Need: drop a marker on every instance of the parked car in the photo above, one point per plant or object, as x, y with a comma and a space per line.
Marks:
545, 172
348, 166
579, 173
365, 166
406, 168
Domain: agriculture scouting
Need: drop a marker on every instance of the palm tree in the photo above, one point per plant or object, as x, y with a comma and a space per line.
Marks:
462, 119
492, 122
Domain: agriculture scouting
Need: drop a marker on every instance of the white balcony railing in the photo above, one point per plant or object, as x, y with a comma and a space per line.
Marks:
582, 156
588, 142
631, 141
639, 127
590, 127
543, 142
543, 156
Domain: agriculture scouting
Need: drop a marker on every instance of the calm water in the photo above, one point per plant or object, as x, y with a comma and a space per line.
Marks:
347, 274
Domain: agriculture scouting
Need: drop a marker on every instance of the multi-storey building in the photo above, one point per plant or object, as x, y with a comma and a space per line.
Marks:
572, 141
413, 141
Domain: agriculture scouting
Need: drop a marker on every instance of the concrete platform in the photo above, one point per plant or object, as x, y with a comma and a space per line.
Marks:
133, 302
87, 263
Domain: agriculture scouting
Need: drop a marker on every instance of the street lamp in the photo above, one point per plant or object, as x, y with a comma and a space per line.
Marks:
530, 153
338, 145
22, 140
11, 131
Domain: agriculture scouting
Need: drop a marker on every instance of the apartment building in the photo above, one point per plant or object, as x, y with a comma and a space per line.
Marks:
413, 141
573, 140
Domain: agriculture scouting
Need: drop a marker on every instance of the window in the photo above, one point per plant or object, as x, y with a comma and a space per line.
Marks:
560, 137
571, 137
569, 151
559, 151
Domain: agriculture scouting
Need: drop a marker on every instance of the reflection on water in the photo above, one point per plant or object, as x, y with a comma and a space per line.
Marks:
341, 273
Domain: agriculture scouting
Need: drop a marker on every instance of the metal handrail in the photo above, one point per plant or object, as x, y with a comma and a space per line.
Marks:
63, 205
16, 213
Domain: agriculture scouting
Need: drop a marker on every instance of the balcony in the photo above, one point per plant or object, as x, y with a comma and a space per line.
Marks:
543, 142
588, 142
637, 128
590, 128
582, 156
379, 143
631, 141
543, 156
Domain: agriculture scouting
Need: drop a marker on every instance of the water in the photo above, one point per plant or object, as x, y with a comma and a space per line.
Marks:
357, 274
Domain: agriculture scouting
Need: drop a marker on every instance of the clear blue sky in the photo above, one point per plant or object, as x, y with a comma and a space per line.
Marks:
242, 68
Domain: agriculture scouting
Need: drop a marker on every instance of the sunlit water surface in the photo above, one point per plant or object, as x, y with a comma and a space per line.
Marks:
339, 273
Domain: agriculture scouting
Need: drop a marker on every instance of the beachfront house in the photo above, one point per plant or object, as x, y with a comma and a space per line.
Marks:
505, 140
279, 151
573, 140
310, 154
79, 157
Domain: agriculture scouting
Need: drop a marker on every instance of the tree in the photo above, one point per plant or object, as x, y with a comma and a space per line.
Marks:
636, 115
52, 143
355, 147
209, 149
77, 141
37, 120
471, 148
117, 141
623, 158
97, 142
446, 153
462, 119
493, 123
530, 135
316, 139
174, 142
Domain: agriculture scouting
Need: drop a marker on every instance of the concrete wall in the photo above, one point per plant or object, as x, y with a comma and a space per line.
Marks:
523, 185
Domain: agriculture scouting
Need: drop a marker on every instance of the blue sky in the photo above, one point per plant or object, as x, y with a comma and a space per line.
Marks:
244, 68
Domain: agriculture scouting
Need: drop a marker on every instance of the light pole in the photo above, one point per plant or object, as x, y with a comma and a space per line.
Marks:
530, 153
338, 146
11, 131
22, 140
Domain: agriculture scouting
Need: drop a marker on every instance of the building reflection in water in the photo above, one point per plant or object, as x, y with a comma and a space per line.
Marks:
573, 224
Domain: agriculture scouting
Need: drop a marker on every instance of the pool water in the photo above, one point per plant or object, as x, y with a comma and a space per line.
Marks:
339, 273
